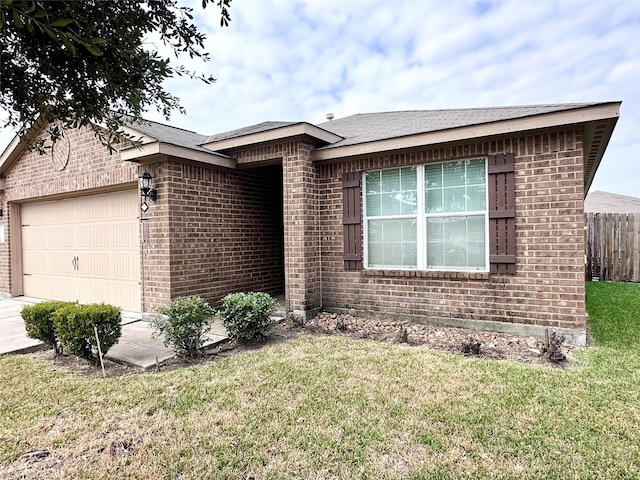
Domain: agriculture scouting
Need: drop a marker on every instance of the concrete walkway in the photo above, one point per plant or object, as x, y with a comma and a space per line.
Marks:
13, 335
137, 346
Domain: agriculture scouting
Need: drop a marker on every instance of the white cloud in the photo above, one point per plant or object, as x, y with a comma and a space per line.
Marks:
298, 60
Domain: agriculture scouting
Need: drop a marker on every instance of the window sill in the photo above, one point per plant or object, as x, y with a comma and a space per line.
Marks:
426, 274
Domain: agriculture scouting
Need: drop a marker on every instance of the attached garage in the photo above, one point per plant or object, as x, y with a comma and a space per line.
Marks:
84, 249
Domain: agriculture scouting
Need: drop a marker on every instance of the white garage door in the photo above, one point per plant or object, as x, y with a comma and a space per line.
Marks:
83, 249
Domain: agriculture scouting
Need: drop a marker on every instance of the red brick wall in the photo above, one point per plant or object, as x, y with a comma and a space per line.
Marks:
221, 232
548, 289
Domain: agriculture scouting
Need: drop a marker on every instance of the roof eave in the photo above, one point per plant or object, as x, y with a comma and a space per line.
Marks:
583, 115
150, 150
18, 145
315, 134
596, 137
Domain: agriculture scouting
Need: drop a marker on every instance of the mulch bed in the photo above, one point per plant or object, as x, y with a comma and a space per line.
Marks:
488, 345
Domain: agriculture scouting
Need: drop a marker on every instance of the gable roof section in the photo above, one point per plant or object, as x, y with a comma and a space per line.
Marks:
160, 139
270, 132
372, 133
372, 127
241, 132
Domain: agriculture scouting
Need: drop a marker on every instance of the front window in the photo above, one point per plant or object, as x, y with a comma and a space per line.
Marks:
430, 217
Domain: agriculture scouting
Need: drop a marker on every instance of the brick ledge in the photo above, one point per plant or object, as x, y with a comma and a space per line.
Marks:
426, 274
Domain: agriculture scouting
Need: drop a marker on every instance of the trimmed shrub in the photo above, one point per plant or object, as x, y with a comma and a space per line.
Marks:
74, 328
38, 320
184, 324
247, 316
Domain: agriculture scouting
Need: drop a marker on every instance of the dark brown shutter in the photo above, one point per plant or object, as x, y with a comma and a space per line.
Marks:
352, 220
502, 213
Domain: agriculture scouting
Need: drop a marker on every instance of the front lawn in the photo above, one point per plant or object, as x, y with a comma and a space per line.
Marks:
333, 407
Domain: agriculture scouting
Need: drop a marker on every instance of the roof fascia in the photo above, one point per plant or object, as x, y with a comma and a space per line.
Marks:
140, 154
580, 115
18, 145
281, 133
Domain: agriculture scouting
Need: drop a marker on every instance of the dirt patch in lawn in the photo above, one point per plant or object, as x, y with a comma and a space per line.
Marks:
488, 345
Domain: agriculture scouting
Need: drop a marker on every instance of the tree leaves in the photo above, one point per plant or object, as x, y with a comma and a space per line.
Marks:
88, 63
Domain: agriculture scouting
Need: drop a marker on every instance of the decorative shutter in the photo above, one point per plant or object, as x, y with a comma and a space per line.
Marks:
352, 220
502, 213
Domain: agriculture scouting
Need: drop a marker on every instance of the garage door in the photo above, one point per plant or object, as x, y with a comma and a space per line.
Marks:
83, 249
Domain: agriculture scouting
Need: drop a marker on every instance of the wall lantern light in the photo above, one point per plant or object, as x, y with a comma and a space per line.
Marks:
146, 192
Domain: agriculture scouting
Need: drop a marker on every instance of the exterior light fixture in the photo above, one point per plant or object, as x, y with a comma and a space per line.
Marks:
146, 192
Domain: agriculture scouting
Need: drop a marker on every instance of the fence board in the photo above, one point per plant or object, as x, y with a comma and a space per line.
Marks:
612, 247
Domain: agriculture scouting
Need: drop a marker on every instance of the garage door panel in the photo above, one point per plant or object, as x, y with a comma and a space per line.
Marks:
101, 232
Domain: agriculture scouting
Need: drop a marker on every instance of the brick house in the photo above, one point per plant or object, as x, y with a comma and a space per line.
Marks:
470, 217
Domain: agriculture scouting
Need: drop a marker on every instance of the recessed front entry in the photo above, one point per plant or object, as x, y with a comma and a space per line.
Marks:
84, 249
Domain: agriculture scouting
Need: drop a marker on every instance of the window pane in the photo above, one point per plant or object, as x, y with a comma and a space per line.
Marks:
433, 176
476, 257
373, 205
372, 179
375, 253
453, 174
475, 228
455, 230
475, 172
457, 242
392, 243
435, 254
433, 201
454, 199
476, 198
435, 229
375, 231
398, 193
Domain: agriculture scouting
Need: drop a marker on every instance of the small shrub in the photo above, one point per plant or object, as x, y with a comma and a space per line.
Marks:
553, 347
471, 346
247, 316
185, 323
74, 328
38, 320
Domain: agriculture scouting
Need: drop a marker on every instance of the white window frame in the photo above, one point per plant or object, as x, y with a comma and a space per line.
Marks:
421, 222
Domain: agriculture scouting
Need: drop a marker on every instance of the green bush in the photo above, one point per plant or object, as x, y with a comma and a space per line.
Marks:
38, 320
74, 328
185, 323
247, 316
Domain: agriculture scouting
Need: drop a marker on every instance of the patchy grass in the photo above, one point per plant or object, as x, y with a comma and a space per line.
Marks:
328, 407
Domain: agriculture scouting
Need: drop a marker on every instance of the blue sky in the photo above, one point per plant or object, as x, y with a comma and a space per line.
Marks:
298, 60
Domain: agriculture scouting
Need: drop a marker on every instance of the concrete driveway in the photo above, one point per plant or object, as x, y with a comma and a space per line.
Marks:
13, 335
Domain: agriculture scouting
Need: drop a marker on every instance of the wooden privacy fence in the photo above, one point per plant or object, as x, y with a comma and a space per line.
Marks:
613, 246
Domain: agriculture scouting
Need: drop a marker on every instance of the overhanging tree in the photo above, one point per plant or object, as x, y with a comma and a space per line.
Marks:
89, 62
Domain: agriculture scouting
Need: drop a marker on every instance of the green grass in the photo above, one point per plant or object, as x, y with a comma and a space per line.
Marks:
333, 407
614, 314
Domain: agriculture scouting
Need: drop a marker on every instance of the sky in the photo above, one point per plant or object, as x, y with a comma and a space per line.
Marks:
299, 60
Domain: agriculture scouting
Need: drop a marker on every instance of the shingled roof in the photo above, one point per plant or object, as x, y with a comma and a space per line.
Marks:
371, 127
240, 132
171, 135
